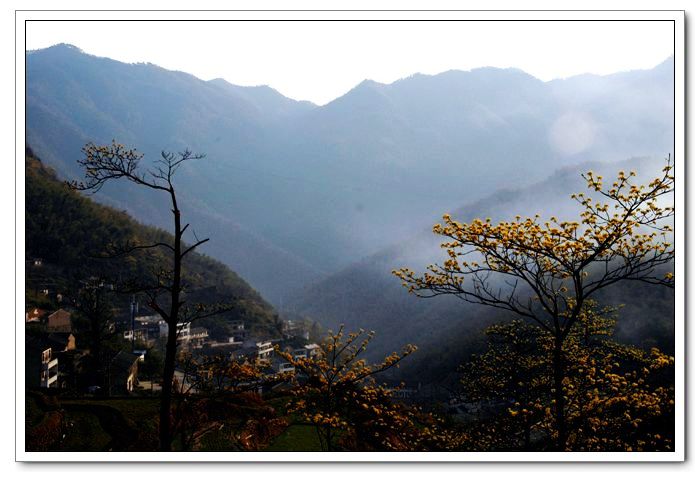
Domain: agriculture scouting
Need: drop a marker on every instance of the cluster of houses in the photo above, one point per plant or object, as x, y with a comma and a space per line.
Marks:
46, 349
262, 353
149, 329
239, 345
53, 359
294, 329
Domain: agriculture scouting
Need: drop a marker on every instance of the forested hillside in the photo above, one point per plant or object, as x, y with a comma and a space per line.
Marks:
70, 234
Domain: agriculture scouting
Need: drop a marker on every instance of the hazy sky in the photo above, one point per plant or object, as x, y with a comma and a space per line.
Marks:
320, 61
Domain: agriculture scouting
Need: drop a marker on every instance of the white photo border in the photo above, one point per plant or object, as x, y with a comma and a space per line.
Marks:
675, 16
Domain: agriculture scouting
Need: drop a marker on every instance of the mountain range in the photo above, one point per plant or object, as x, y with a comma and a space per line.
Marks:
292, 193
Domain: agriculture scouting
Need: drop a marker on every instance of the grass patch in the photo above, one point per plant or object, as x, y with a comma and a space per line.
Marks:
33, 413
298, 437
83, 433
219, 440
136, 409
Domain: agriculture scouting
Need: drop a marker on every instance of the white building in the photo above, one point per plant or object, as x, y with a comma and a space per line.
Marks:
183, 331
265, 350
49, 369
285, 367
312, 350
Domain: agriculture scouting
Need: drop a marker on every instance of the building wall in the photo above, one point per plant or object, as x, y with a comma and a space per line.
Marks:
59, 321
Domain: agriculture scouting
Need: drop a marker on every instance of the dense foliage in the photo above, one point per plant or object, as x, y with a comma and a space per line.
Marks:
617, 397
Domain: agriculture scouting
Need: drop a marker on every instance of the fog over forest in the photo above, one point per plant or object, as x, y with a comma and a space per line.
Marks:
315, 205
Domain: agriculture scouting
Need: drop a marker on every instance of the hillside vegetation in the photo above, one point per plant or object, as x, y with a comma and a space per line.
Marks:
70, 233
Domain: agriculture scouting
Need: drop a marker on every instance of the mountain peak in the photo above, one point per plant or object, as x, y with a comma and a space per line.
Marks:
62, 47
370, 83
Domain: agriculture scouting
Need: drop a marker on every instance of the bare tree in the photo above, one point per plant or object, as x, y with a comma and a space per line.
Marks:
164, 293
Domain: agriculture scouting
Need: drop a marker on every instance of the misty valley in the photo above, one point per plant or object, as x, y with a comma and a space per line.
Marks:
469, 261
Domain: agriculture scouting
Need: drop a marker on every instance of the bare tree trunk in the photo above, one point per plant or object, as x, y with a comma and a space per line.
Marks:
165, 435
560, 420
106, 163
527, 436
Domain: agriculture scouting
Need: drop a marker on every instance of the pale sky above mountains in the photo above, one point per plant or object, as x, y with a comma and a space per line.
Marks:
320, 61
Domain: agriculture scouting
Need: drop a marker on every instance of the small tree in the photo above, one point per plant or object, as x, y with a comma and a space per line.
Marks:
335, 390
213, 389
545, 271
165, 292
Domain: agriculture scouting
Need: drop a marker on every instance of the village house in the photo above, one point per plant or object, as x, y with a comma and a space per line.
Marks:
48, 369
198, 336
281, 365
123, 373
265, 351
238, 331
311, 350
43, 354
35, 315
183, 331
138, 334
260, 352
294, 329
153, 324
59, 321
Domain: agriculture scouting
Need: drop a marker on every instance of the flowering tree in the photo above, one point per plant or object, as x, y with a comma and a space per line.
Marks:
545, 271
617, 397
336, 392
511, 376
214, 390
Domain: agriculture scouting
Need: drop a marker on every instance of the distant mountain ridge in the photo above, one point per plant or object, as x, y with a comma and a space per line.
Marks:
291, 192
87, 102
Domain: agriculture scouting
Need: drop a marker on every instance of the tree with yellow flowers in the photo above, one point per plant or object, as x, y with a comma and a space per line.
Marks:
211, 390
544, 271
336, 392
510, 382
617, 397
